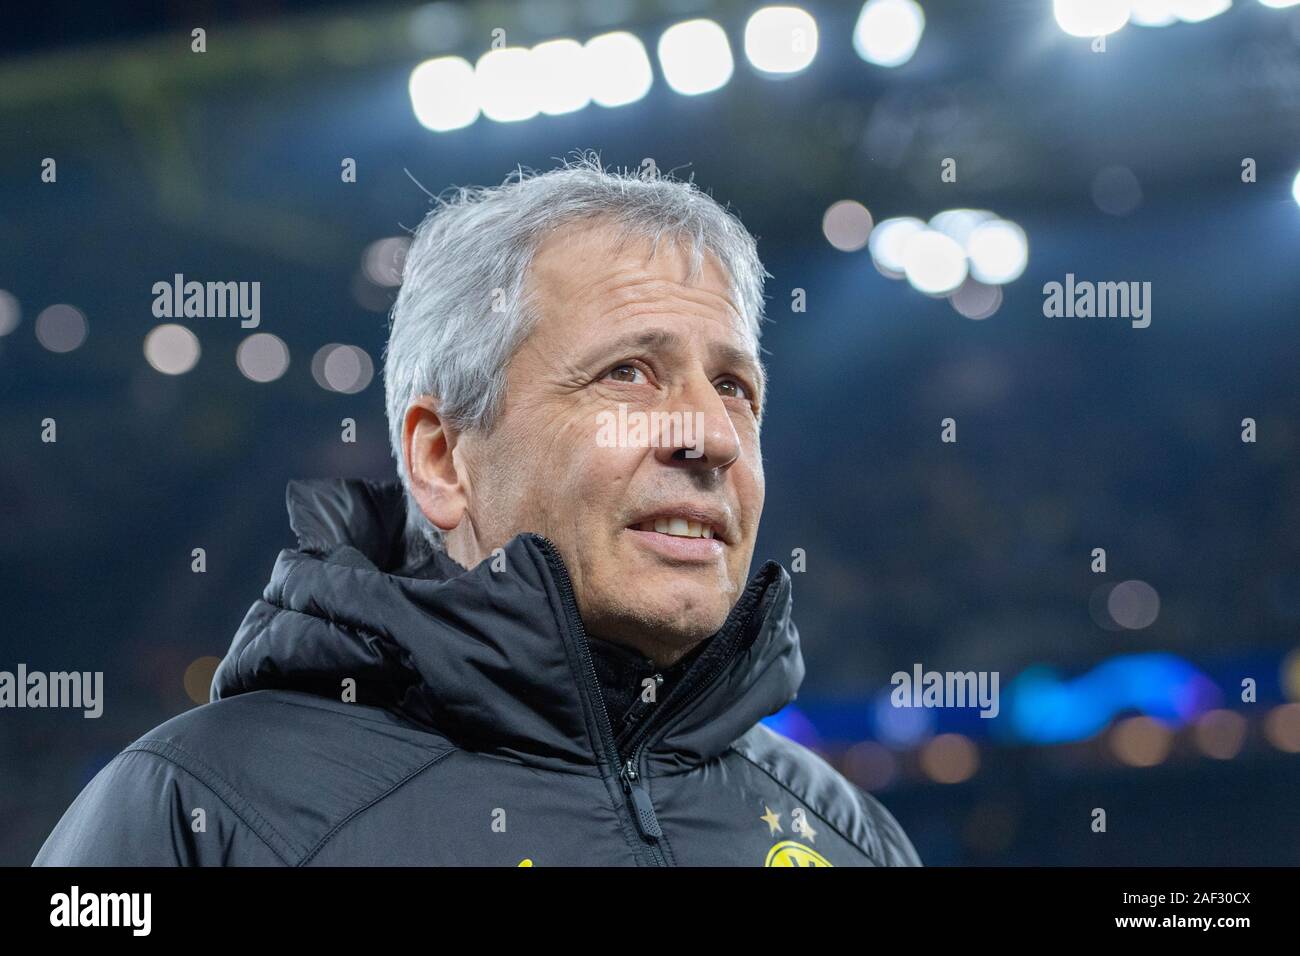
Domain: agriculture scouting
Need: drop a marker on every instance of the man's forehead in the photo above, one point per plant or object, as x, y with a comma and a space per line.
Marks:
598, 264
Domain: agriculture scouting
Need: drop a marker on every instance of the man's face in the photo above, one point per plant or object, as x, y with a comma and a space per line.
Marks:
632, 522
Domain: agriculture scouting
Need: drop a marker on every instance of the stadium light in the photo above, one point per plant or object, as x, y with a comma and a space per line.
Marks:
998, 252
886, 243
695, 57
443, 93
560, 77
781, 40
888, 31
1154, 13
933, 263
1090, 18
1194, 11
506, 84
619, 69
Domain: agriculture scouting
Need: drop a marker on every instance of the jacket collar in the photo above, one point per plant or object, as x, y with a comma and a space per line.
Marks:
495, 660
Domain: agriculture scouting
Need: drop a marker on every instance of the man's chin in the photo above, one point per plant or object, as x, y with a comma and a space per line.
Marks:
685, 606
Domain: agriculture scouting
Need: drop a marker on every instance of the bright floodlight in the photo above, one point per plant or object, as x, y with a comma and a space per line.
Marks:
1279, 4
888, 31
998, 252
960, 223
560, 77
934, 263
443, 93
887, 241
1154, 13
618, 68
1194, 11
695, 57
781, 39
507, 87
1295, 189
1090, 18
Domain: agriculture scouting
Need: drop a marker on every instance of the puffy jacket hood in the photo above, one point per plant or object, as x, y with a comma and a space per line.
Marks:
494, 660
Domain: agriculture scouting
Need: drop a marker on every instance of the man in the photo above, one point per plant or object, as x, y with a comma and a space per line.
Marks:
539, 648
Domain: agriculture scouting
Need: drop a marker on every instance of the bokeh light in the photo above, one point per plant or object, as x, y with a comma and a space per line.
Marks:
1133, 605
1220, 733
619, 69
342, 368
975, 300
11, 312
1141, 741
998, 251
1153, 13
960, 223
888, 240
560, 82
1290, 675
933, 263
171, 349
1194, 11
61, 327
504, 80
781, 40
384, 259
950, 758
1282, 728
695, 57
847, 225
1116, 190
901, 727
888, 32
262, 357
198, 678
1090, 18
444, 93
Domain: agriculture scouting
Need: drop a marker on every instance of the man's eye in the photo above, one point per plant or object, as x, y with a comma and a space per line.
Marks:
730, 388
625, 373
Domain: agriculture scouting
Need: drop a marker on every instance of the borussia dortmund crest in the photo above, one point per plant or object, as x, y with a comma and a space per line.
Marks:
790, 853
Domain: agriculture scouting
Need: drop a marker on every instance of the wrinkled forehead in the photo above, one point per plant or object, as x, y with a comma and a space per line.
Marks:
602, 265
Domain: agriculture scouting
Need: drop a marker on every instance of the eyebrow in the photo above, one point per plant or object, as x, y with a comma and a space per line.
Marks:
664, 340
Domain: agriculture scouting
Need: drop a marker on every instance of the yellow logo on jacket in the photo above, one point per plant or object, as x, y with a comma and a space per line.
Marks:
790, 853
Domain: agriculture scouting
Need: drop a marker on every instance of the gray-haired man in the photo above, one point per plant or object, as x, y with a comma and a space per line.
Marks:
540, 646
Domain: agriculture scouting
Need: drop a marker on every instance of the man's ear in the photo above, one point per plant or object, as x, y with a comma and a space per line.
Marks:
429, 444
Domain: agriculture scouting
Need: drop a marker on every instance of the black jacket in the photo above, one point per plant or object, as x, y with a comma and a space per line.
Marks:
372, 711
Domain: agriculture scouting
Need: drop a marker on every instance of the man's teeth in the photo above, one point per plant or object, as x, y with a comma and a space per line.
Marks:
677, 527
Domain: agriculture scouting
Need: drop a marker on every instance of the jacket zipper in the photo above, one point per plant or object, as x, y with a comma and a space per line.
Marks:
631, 771
638, 708
637, 797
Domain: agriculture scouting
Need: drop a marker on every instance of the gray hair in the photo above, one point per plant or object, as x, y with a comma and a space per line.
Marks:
464, 305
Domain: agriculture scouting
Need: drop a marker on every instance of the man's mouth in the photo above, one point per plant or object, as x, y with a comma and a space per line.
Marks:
684, 533
678, 527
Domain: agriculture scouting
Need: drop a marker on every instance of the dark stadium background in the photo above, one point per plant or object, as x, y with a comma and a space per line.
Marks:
1073, 433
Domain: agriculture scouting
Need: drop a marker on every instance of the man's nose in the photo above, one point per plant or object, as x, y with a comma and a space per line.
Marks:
701, 434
